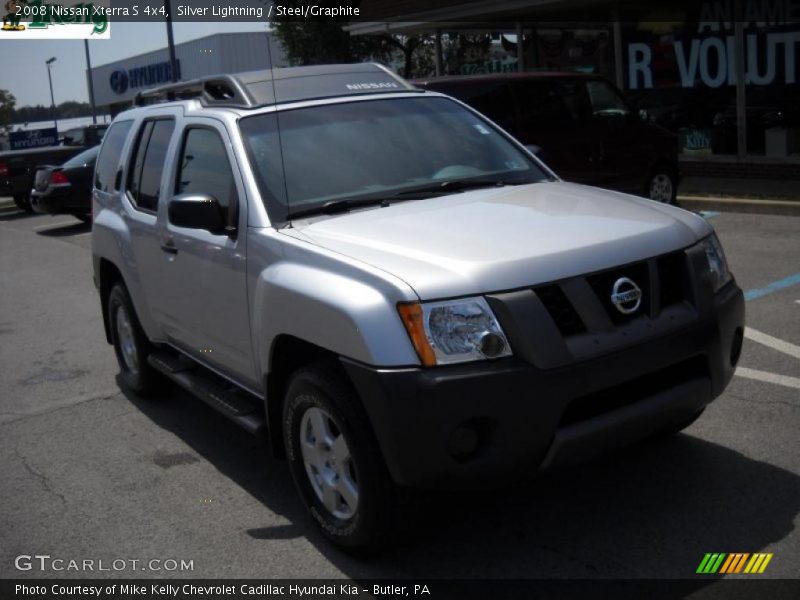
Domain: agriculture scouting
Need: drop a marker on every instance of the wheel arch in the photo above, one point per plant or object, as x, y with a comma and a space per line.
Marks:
108, 275
287, 354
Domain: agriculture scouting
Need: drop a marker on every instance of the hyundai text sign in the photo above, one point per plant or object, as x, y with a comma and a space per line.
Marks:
34, 138
143, 77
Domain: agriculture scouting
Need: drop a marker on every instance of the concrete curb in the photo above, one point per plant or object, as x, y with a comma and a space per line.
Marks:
740, 205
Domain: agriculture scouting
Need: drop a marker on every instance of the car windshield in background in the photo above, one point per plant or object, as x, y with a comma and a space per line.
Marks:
346, 154
86, 157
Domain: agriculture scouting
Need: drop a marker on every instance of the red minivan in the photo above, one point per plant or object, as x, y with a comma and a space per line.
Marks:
580, 125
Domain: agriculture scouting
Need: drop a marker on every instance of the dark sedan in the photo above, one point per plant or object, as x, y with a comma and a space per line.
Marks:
66, 189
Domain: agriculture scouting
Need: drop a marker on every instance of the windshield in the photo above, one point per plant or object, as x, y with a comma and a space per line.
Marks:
375, 149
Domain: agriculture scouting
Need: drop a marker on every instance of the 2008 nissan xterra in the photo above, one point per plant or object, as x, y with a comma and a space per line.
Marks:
394, 289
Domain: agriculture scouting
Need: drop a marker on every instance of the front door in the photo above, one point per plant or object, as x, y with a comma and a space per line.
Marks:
628, 147
204, 274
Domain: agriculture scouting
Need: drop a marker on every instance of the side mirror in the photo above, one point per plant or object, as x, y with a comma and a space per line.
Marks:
197, 211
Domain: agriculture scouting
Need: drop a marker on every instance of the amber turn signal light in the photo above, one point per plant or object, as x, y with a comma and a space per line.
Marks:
412, 315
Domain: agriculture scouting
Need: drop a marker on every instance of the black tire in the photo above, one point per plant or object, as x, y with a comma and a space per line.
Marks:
372, 525
23, 202
135, 371
662, 185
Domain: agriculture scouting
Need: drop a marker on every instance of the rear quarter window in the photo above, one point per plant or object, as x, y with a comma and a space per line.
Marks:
108, 161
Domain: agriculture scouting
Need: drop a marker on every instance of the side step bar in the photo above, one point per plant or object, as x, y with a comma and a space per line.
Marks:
200, 383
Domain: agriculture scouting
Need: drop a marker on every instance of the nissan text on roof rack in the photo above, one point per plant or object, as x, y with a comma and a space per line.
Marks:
395, 291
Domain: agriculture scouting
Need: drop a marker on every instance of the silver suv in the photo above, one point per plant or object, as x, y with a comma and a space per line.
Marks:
395, 290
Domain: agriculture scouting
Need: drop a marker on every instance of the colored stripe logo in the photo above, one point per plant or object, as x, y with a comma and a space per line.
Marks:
736, 562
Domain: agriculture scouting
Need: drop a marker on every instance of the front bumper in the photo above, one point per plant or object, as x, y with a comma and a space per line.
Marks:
490, 423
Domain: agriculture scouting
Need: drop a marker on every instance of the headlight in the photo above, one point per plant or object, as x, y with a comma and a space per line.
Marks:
454, 331
716, 261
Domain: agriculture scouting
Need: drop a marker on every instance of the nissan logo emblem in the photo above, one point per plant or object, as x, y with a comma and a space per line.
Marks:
626, 296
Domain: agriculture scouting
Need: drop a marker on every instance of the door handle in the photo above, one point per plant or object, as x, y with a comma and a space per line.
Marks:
169, 247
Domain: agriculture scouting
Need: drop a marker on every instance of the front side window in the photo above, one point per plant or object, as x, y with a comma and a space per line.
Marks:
205, 168
606, 102
375, 149
144, 177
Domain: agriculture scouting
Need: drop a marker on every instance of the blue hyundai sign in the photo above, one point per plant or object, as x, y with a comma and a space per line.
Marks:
147, 76
33, 138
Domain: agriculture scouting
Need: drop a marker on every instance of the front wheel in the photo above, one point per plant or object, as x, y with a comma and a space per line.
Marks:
335, 460
662, 186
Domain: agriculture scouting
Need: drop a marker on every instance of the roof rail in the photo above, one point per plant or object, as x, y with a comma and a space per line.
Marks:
273, 86
217, 90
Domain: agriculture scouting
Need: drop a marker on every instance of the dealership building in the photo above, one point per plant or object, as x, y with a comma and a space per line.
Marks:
722, 74
117, 83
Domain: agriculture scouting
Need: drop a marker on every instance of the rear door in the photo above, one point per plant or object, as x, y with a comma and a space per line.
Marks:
143, 194
554, 114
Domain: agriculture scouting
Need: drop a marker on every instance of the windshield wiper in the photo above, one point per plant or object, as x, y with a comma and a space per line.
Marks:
454, 185
337, 206
347, 204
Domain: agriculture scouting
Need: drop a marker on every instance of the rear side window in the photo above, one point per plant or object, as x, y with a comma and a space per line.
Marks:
108, 161
552, 105
493, 99
205, 168
147, 163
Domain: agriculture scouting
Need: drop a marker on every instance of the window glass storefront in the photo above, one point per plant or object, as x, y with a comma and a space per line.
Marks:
685, 76
676, 62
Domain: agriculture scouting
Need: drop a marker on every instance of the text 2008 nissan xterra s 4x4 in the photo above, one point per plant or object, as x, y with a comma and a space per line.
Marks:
394, 289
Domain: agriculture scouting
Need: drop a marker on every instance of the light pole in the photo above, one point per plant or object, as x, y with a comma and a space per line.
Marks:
173, 64
90, 81
49, 62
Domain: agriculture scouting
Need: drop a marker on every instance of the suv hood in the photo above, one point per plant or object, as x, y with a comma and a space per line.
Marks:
489, 240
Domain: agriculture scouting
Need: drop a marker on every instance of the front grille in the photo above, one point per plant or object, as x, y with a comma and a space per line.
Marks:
603, 283
624, 394
561, 310
673, 278
674, 286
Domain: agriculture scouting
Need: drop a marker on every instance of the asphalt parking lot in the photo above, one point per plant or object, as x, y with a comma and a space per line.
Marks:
91, 473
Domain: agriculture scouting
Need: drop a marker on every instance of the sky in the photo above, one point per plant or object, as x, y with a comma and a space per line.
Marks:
24, 72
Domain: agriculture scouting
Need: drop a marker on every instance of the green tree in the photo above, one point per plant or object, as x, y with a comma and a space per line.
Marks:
325, 42
7, 104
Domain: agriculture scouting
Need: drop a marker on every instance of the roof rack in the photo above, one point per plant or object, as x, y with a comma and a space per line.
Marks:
254, 89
